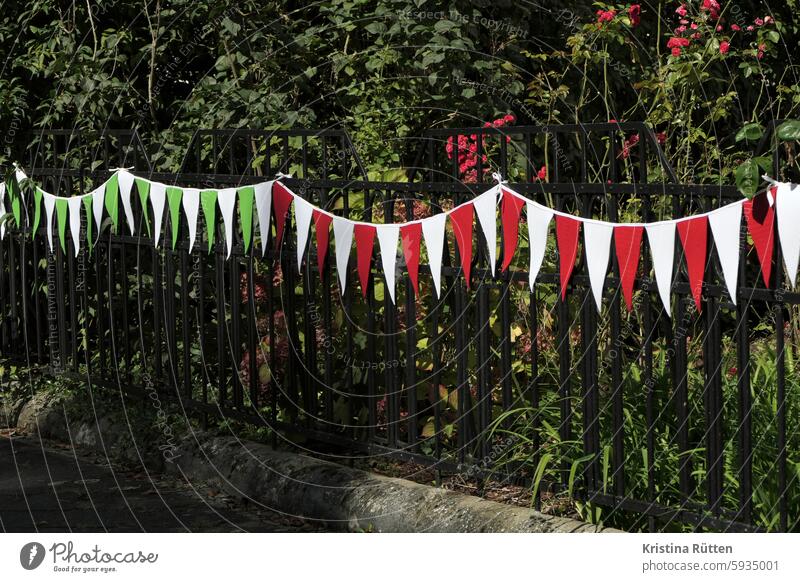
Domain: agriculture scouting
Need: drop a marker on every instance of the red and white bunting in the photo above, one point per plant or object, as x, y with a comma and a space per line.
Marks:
787, 203
661, 237
281, 200
365, 241
511, 212
567, 232
388, 235
411, 234
303, 212
539, 219
597, 242
760, 215
322, 226
628, 244
486, 211
263, 198
433, 232
461, 221
726, 224
694, 238
343, 239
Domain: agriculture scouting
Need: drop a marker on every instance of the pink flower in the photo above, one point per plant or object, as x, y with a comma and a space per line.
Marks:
750, 28
759, 22
724, 47
676, 52
768, 20
680, 29
735, 27
681, 11
509, 118
719, 28
605, 16
542, 173
694, 26
761, 48
661, 137
696, 35
635, 14
711, 6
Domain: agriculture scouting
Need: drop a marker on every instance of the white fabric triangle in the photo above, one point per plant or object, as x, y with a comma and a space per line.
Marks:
388, 236
98, 196
227, 200
49, 205
75, 204
597, 241
125, 179
787, 205
191, 205
2, 209
725, 226
302, 220
662, 247
263, 209
158, 197
343, 238
433, 233
486, 208
538, 222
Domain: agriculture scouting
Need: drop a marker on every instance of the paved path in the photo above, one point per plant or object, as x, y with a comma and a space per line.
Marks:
52, 488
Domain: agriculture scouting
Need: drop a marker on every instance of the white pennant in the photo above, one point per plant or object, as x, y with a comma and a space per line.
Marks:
263, 195
158, 197
98, 196
49, 205
725, 226
388, 235
486, 208
787, 206
2, 209
597, 241
302, 217
433, 232
74, 205
343, 237
125, 179
661, 237
191, 205
227, 200
538, 222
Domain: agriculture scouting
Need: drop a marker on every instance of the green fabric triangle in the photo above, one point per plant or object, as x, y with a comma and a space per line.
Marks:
144, 193
61, 215
87, 204
37, 210
247, 197
208, 198
174, 196
112, 199
13, 190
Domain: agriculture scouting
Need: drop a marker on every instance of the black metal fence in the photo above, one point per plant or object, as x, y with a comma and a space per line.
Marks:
634, 415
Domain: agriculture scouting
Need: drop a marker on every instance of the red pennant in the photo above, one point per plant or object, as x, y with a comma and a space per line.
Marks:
567, 232
462, 228
511, 211
365, 239
760, 222
322, 225
694, 237
281, 200
628, 243
411, 234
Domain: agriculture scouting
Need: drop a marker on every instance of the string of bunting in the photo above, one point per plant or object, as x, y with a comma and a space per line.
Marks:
272, 200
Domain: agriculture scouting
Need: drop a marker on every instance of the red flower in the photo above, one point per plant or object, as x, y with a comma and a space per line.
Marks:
735, 27
632, 140
509, 118
711, 6
677, 43
542, 173
605, 16
759, 22
724, 47
635, 14
661, 137
681, 11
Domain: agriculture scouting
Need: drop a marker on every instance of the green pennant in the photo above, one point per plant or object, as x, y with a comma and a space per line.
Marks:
37, 210
174, 196
13, 189
144, 193
247, 197
208, 198
61, 215
87, 204
112, 199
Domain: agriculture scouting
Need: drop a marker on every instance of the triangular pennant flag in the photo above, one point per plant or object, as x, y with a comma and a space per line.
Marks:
174, 196
126, 179
411, 235
597, 241
226, 198
365, 240
158, 198
388, 235
61, 217
486, 211
37, 210
510, 214
726, 224
87, 207
191, 207
98, 197
538, 223
661, 237
760, 217
567, 232
343, 239
49, 206
263, 197
303, 212
694, 238
143, 186
322, 225
208, 198
281, 200
246, 198
74, 204
461, 220
112, 200
433, 233
787, 203
628, 243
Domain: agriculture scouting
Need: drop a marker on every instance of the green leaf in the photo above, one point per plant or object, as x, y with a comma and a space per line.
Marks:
748, 178
750, 132
789, 131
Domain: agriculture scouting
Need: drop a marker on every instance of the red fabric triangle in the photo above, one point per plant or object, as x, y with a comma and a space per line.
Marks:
510, 213
567, 232
628, 243
694, 238
365, 239
411, 235
461, 219
281, 200
322, 225
760, 222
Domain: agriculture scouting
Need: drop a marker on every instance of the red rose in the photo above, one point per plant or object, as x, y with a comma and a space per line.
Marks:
724, 47
635, 14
